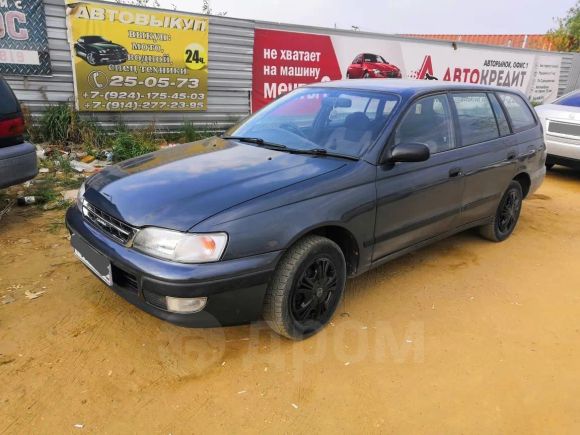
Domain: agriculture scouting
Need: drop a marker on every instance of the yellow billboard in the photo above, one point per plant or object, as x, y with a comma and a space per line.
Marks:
128, 59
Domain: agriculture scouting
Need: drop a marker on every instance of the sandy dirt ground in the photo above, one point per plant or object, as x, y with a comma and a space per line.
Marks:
465, 336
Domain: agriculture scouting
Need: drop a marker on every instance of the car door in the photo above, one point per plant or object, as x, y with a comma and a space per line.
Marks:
355, 69
418, 201
487, 151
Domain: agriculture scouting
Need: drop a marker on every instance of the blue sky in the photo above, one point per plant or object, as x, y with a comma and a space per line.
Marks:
398, 16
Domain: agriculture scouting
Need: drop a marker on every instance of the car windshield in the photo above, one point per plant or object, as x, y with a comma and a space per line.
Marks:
94, 39
572, 99
339, 121
374, 58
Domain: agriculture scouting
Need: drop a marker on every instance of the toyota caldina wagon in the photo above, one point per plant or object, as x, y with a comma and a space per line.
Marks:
269, 220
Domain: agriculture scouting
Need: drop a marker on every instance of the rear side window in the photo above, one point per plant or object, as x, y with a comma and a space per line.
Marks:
502, 122
8, 102
476, 118
428, 121
518, 111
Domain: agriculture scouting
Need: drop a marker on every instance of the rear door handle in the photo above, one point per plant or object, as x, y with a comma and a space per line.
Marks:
455, 172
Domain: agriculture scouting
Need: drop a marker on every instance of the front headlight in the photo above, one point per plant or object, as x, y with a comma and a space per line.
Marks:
181, 247
81, 196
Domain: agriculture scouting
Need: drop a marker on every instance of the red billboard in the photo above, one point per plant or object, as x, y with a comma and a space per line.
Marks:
284, 61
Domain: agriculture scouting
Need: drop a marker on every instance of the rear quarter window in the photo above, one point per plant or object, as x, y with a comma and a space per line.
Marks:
518, 111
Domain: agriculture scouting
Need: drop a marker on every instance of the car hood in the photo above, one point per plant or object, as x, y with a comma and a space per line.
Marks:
105, 46
381, 66
179, 187
556, 111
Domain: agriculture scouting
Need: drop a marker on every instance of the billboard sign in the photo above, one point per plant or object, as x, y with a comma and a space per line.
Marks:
23, 40
135, 59
286, 60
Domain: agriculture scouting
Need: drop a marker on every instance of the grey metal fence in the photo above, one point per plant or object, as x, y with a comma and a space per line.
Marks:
230, 73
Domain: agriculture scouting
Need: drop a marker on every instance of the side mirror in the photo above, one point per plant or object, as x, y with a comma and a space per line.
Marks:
410, 152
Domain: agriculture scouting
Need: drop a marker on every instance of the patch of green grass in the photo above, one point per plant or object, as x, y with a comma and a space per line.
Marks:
56, 122
70, 183
127, 145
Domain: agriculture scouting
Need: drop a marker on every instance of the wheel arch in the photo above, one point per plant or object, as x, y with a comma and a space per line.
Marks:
525, 181
340, 235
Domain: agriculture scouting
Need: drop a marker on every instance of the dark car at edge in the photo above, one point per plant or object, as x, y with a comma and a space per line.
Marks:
96, 50
270, 219
18, 161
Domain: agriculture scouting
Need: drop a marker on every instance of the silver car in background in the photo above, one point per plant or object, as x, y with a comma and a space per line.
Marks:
561, 121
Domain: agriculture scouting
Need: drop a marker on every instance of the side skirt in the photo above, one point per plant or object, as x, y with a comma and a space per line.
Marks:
428, 242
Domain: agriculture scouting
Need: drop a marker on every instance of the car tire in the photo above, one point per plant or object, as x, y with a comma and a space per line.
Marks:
507, 215
91, 59
306, 289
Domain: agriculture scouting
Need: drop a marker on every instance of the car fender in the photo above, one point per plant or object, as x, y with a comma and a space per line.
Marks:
345, 199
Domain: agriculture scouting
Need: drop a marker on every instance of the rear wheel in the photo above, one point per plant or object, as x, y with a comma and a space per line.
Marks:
506, 216
306, 289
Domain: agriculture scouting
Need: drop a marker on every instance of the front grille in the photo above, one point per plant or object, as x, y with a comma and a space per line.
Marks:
155, 299
107, 224
564, 128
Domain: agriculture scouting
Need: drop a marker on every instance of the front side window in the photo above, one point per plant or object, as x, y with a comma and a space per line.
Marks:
476, 118
518, 111
428, 121
337, 120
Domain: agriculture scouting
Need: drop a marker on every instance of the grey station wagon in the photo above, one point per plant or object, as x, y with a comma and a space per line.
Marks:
269, 220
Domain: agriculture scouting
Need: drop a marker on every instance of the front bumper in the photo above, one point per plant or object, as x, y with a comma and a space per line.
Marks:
235, 289
111, 59
18, 163
563, 151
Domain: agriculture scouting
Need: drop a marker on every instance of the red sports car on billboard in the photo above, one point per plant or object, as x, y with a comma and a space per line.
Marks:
372, 66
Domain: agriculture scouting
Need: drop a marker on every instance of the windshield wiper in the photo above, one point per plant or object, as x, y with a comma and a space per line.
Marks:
278, 147
257, 141
323, 152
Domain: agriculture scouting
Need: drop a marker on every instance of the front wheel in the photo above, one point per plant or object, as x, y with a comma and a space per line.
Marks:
92, 59
507, 215
306, 289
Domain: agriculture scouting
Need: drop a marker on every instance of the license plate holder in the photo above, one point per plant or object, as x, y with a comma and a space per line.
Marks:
94, 260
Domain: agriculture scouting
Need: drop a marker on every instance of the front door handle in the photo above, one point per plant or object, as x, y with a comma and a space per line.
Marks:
455, 172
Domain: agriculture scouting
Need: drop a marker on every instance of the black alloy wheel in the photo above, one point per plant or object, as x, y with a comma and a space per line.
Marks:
509, 212
507, 215
314, 293
306, 288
